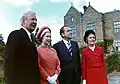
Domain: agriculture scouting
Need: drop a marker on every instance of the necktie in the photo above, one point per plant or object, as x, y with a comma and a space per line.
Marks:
70, 48
32, 37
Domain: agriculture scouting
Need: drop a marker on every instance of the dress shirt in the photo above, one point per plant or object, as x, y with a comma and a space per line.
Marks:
28, 33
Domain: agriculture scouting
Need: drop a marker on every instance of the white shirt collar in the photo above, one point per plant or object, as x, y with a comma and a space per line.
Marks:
66, 43
28, 33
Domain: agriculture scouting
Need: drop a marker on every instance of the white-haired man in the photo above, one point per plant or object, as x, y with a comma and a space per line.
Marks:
21, 63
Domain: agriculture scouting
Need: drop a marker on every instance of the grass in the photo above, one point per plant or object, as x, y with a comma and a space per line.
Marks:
1, 77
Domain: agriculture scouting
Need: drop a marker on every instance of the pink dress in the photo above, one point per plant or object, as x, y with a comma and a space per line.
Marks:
49, 63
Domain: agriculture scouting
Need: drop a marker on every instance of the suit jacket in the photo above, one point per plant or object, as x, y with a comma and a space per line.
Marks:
21, 59
70, 65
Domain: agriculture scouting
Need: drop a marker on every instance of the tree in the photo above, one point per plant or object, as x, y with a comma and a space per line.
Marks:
2, 44
1, 37
1, 50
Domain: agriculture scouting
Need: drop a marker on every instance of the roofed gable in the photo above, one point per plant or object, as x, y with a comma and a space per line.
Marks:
73, 11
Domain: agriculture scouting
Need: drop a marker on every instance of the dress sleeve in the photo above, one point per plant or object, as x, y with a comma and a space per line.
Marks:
83, 66
58, 69
43, 73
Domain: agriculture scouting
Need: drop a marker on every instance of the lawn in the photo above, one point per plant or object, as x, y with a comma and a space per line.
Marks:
1, 77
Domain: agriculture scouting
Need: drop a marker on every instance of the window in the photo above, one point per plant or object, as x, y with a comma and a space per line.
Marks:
72, 19
116, 26
90, 26
73, 28
117, 43
117, 33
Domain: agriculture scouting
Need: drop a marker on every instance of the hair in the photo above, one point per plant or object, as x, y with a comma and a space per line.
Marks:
39, 33
40, 40
26, 15
62, 30
87, 33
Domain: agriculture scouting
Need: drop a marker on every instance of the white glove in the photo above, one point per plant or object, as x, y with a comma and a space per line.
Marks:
54, 83
51, 80
84, 82
54, 77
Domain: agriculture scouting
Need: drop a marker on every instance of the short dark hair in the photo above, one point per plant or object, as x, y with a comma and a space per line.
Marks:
87, 33
62, 30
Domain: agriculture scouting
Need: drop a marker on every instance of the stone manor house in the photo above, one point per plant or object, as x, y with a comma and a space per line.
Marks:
106, 25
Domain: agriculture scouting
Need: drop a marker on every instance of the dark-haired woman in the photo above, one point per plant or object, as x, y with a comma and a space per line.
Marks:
93, 63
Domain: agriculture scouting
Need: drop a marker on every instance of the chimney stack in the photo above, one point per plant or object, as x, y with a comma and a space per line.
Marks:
85, 8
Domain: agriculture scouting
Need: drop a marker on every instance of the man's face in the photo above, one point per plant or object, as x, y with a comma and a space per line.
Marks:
67, 33
31, 23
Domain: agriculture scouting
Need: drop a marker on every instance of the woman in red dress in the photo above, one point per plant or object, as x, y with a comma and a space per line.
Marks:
93, 63
49, 64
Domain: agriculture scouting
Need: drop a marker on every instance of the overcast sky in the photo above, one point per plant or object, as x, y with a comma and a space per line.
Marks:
49, 12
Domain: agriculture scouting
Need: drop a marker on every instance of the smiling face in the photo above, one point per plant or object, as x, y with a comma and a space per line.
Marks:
91, 39
30, 23
46, 39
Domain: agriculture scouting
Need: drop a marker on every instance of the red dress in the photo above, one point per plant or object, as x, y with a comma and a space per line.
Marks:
93, 66
49, 63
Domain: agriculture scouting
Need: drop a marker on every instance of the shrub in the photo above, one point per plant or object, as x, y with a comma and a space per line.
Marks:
113, 62
1, 77
81, 48
1, 80
1, 50
101, 44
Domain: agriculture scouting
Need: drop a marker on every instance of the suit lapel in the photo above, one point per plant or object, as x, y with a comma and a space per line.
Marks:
27, 38
26, 35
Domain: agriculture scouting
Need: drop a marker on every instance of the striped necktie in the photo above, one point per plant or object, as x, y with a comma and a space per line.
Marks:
70, 48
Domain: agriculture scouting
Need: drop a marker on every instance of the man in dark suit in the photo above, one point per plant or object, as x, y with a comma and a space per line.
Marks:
68, 53
21, 63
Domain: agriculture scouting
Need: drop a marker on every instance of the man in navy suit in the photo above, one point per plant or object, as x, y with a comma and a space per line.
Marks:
21, 63
69, 56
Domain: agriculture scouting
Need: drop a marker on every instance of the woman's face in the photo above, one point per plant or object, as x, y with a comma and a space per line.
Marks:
47, 39
91, 39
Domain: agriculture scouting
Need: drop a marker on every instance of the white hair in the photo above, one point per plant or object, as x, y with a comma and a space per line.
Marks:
26, 15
